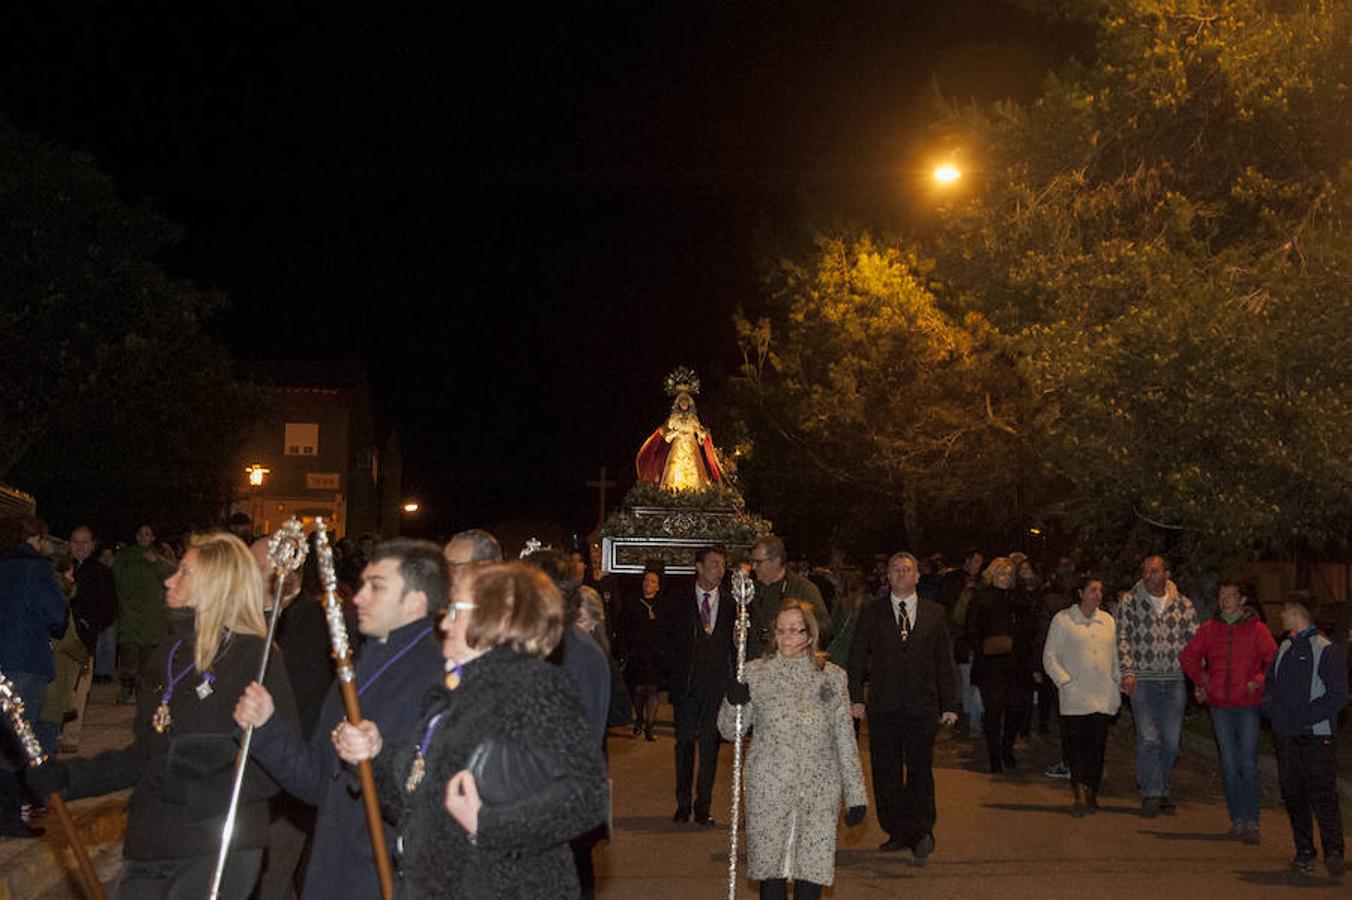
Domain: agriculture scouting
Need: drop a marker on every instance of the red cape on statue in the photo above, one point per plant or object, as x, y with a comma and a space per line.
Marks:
652, 458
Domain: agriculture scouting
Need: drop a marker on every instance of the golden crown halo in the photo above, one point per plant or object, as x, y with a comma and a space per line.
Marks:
682, 380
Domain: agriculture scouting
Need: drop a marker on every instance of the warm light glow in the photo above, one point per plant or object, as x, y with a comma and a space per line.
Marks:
1035, 531
257, 474
947, 174
411, 506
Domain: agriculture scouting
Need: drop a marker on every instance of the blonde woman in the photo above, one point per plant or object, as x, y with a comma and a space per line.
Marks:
181, 763
803, 759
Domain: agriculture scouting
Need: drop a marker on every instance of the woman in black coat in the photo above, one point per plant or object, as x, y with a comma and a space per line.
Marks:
181, 764
507, 838
1001, 633
637, 637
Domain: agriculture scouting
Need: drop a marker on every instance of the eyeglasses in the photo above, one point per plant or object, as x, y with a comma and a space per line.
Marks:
790, 631
456, 608
763, 559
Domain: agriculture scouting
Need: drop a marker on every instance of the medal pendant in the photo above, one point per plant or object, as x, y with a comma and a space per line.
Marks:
160, 721
204, 690
415, 774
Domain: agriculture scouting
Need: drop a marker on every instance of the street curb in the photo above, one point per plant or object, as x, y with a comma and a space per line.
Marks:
47, 862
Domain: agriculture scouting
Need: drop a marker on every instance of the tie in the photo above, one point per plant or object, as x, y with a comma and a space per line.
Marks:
704, 612
903, 622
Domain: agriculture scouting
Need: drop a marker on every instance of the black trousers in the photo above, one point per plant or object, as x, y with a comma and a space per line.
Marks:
1083, 739
901, 751
1005, 694
188, 878
1047, 703
1307, 769
778, 889
696, 724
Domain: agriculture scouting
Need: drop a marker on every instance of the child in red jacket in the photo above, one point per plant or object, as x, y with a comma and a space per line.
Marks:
1227, 660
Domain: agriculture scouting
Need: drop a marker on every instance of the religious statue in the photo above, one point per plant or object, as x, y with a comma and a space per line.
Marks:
680, 454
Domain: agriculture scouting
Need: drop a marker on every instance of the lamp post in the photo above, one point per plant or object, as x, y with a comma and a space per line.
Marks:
257, 474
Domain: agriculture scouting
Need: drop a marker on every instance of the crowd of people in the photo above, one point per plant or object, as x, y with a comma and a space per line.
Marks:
487, 689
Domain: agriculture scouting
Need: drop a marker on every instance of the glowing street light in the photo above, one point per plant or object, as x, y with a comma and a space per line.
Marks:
257, 474
411, 506
947, 173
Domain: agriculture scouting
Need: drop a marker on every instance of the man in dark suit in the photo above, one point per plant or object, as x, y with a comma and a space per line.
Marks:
902, 650
694, 627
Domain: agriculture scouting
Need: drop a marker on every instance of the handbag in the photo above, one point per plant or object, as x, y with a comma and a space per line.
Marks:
506, 772
997, 645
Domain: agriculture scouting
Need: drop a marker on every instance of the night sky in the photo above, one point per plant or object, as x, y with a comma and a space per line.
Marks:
521, 219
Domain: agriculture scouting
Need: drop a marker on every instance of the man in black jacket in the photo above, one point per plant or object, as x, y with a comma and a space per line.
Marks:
694, 628
405, 586
903, 651
95, 601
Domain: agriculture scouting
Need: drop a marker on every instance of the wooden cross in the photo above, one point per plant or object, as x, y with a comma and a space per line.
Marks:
601, 484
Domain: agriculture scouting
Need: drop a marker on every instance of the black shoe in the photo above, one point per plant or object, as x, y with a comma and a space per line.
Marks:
1167, 807
1303, 862
18, 828
1334, 863
706, 820
1081, 804
638, 727
924, 846
891, 845
681, 815
1150, 807
1090, 800
648, 732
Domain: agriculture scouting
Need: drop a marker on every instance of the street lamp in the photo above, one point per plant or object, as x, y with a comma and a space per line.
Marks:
947, 173
257, 474
411, 507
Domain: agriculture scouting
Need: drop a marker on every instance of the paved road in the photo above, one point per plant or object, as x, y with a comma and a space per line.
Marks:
997, 836
1005, 837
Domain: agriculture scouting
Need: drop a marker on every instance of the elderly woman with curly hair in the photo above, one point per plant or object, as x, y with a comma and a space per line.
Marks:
502, 770
803, 759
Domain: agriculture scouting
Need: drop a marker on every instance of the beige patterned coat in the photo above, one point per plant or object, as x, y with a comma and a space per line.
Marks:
802, 761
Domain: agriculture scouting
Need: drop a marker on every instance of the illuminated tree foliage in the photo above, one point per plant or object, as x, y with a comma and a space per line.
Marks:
1157, 247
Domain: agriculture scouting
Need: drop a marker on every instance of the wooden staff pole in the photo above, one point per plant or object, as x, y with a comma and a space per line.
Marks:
347, 686
12, 705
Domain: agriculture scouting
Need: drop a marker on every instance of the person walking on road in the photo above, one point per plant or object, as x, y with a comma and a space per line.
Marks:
903, 653
1227, 660
803, 761
1154, 624
1080, 658
694, 633
1305, 689
139, 570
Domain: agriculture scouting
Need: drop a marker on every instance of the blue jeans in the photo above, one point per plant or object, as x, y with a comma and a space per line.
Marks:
1237, 737
971, 698
1157, 707
105, 653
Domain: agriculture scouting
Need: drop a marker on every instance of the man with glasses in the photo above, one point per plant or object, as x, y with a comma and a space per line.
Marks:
775, 584
903, 652
694, 633
404, 588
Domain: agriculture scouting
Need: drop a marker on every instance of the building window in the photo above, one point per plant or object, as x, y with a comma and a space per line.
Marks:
302, 439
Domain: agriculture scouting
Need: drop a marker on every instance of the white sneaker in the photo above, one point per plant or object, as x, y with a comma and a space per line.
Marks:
1058, 769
